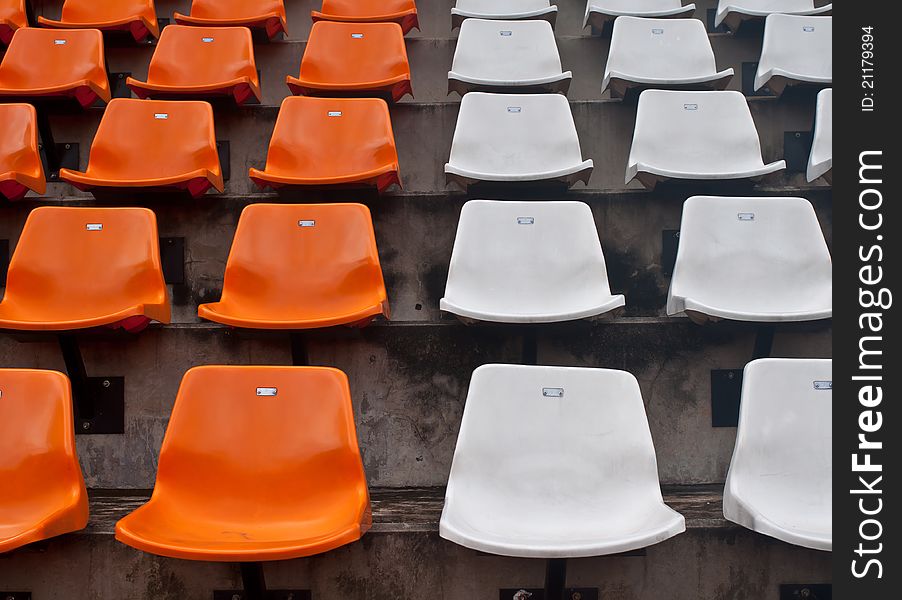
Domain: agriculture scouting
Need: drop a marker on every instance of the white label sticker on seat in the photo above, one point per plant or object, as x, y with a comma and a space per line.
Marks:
506, 33
657, 31
161, 116
690, 106
334, 113
746, 216
206, 40
94, 226
553, 392
356, 36
514, 109
808, 29
59, 42
310, 223
267, 391
526, 220
823, 385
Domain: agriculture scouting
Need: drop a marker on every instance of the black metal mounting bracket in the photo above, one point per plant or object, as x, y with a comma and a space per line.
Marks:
225, 161
749, 70
806, 591
555, 582
99, 402
710, 17
726, 384
118, 88
172, 255
299, 355
15, 595
63, 156
254, 583
4, 261
796, 150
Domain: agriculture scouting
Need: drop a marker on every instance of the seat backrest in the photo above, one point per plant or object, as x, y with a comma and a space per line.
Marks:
522, 255
304, 256
366, 8
356, 132
582, 429
661, 48
355, 52
264, 437
153, 138
501, 6
798, 44
515, 133
39, 58
92, 11
87, 258
785, 425
37, 438
19, 139
776, 6
202, 55
770, 244
506, 50
629, 6
236, 9
696, 131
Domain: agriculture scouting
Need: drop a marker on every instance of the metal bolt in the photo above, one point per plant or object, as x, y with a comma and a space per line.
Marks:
236, 596
730, 375
106, 383
68, 146
798, 135
805, 593
86, 425
576, 596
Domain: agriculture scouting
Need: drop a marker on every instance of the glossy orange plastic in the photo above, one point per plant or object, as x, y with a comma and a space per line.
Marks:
201, 62
43, 490
402, 12
45, 63
152, 144
300, 266
356, 132
12, 17
268, 15
20, 160
139, 17
353, 58
258, 463
76, 268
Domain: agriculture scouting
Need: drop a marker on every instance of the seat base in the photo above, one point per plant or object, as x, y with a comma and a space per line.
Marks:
559, 84
622, 86
408, 19
139, 28
380, 181
272, 24
390, 91
242, 90
598, 20
544, 14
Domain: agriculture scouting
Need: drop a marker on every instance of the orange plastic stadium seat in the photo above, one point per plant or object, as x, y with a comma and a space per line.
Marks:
41, 63
201, 62
76, 268
12, 17
138, 17
20, 160
301, 266
402, 12
268, 15
355, 59
356, 131
152, 144
43, 490
258, 463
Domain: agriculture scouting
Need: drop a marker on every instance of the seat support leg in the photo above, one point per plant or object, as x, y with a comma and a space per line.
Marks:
299, 357
530, 345
555, 578
29, 14
98, 402
253, 581
48, 143
764, 341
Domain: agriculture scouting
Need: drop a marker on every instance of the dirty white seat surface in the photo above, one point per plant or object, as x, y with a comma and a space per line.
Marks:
751, 259
733, 13
503, 9
574, 475
695, 135
821, 160
781, 476
600, 11
527, 262
661, 53
795, 50
507, 54
515, 137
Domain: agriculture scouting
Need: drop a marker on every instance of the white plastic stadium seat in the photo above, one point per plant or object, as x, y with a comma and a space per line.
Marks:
507, 56
695, 135
820, 163
796, 50
751, 259
516, 138
781, 476
661, 53
598, 12
576, 476
508, 10
527, 262
733, 13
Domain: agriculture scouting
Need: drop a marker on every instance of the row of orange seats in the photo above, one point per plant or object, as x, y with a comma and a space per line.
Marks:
139, 17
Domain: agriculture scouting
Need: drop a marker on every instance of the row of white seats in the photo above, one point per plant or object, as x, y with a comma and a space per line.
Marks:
586, 482
731, 13
707, 135
645, 53
745, 259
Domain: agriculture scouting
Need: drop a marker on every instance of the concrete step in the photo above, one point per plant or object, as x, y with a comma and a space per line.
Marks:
409, 383
403, 558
